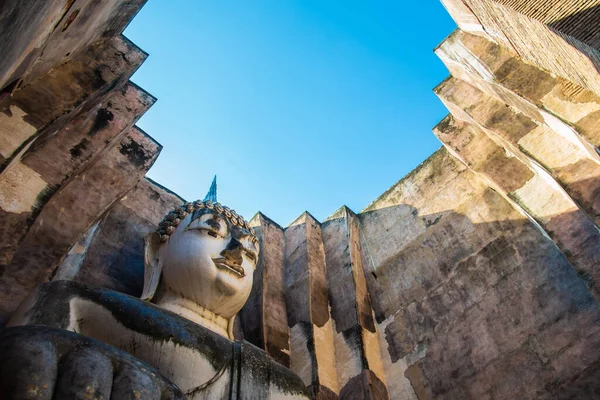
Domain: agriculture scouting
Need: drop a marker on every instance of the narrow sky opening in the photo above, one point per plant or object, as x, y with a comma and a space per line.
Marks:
294, 105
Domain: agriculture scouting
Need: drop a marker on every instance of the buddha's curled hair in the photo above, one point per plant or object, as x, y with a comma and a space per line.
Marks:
171, 220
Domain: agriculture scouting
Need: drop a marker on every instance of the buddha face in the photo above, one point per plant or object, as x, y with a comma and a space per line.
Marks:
210, 261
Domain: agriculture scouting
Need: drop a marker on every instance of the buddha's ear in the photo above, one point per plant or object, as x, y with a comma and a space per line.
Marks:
152, 266
230, 323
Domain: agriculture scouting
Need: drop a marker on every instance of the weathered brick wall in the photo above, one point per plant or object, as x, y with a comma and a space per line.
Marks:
39, 35
114, 257
561, 36
472, 299
69, 149
497, 297
264, 317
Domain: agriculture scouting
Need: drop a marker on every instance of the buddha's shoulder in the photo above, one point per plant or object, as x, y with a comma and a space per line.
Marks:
50, 304
55, 303
62, 292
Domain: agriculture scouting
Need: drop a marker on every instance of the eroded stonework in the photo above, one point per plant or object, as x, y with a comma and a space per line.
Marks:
474, 277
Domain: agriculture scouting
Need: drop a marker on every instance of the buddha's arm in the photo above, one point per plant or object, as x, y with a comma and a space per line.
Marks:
45, 363
182, 351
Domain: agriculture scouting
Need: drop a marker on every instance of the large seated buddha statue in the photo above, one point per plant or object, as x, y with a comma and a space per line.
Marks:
67, 340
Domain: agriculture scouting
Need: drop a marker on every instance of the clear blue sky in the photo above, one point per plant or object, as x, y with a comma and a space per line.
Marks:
295, 105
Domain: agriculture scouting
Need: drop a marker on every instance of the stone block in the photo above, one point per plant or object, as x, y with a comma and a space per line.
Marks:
555, 199
311, 332
55, 32
535, 92
72, 211
113, 258
264, 317
546, 34
357, 349
88, 136
41, 108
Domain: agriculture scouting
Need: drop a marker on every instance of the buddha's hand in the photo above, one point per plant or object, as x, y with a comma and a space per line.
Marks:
44, 363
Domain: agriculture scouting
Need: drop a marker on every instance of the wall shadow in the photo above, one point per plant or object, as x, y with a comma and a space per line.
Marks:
486, 309
582, 26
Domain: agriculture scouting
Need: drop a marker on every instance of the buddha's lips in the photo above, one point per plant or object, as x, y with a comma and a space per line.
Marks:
223, 263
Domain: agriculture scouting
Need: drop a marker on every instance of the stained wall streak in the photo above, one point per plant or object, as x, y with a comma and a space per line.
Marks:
485, 258
557, 36
66, 125
114, 259
38, 36
264, 317
72, 211
311, 331
357, 350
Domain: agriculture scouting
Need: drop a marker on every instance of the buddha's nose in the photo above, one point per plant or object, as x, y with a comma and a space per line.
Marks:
233, 252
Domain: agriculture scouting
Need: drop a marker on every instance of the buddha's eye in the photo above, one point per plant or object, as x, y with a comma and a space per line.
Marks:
209, 225
250, 256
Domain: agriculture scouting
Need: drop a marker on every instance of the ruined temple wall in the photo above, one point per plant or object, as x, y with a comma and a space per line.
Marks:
114, 256
69, 148
312, 351
39, 35
508, 114
558, 36
264, 317
493, 293
482, 263
471, 298
359, 365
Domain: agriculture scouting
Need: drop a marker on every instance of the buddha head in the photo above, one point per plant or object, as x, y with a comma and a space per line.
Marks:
201, 261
